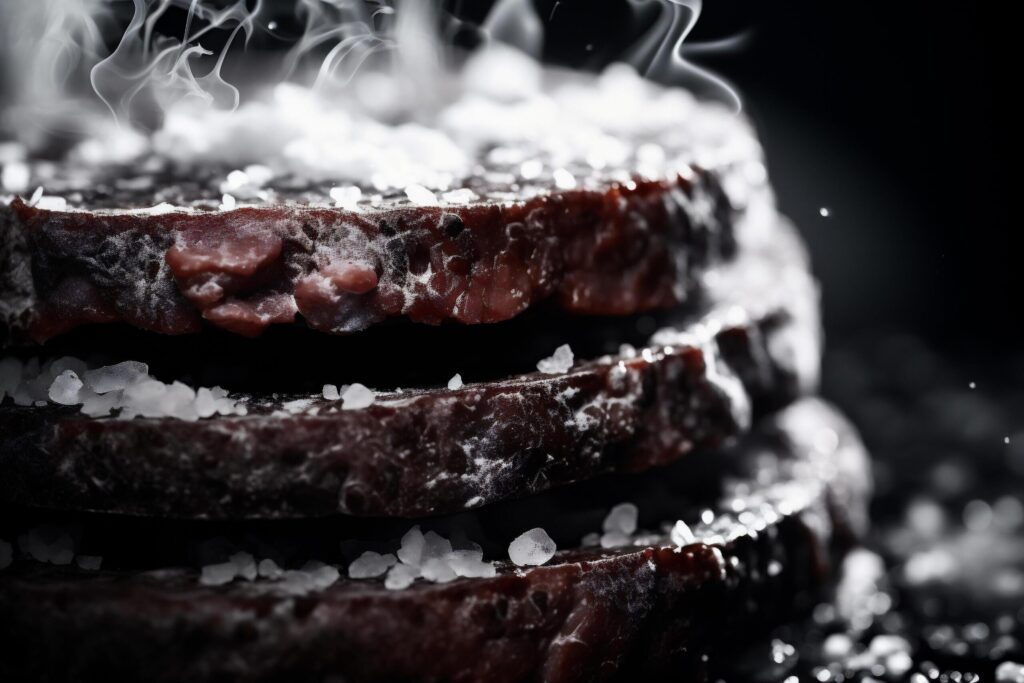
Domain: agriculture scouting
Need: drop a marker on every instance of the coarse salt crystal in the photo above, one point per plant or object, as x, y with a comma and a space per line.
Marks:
455, 383
420, 195
532, 548
245, 565
227, 202
470, 564
356, 397
412, 544
621, 518
558, 363
681, 534
400, 576
563, 179
50, 203
48, 544
437, 570
114, 377
161, 209
65, 389
1010, 672
346, 197
463, 196
218, 574
89, 563
330, 392
370, 564
15, 177
268, 569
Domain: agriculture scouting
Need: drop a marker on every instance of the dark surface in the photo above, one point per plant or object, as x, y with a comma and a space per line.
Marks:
898, 118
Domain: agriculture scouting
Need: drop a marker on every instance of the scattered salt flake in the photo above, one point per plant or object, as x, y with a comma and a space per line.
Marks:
400, 576
437, 570
532, 548
50, 203
227, 202
435, 546
114, 377
330, 392
6, 554
36, 196
1010, 672
218, 574
346, 197
245, 565
774, 568
89, 563
621, 518
824, 212
681, 534
356, 397
837, 646
558, 363
563, 179
462, 196
65, 389
322, 575
411, 550
268, 569
590, 540
48, 544
15, 177
614, 539
455, 383
161, 209
370, 565
470, 564
420, 195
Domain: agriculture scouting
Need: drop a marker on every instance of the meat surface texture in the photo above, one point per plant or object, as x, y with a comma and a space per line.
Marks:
649, 608
426, 452
619, 249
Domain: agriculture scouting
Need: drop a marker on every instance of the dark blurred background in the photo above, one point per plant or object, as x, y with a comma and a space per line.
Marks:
894, 116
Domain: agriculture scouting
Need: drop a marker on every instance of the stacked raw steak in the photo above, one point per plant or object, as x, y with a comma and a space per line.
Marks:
518, 394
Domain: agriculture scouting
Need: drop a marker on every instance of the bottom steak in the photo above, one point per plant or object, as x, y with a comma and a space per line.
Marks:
793, 499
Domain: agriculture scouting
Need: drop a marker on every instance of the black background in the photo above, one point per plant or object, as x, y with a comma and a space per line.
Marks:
898, 118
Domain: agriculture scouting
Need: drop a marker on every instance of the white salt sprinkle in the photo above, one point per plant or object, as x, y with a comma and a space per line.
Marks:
370, 564
268, 569
15, 177
469, 563
462, 196
681, 534
356, 397
66, 388
558, 363
89, 563
218, 574
346, 197
330, 392
114, 377
532, 548
400, 576
227, 202
411, 550
48, 544
455, 383
437, 570
1010, 672
622, 518
420, 195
